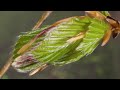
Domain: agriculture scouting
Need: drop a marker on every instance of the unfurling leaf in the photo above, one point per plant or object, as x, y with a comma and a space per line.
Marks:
64, 43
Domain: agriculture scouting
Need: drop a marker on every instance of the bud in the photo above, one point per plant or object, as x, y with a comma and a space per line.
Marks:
24, 60
67, 42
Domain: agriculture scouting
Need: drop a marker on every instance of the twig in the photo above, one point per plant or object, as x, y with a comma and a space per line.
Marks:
42, 19
39, 69
6, 67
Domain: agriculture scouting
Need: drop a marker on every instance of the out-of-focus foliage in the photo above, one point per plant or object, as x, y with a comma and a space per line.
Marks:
102, 63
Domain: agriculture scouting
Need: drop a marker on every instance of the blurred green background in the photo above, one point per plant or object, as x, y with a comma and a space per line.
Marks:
103, 63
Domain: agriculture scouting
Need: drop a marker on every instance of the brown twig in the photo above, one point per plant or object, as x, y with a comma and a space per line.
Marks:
39, 69
42, 19
6, 67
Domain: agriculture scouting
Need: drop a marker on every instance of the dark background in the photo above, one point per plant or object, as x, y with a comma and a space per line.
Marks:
103, 63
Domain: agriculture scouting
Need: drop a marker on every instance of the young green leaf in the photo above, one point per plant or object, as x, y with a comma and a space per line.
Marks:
24, 38
106, 13
95, 33
65, 43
